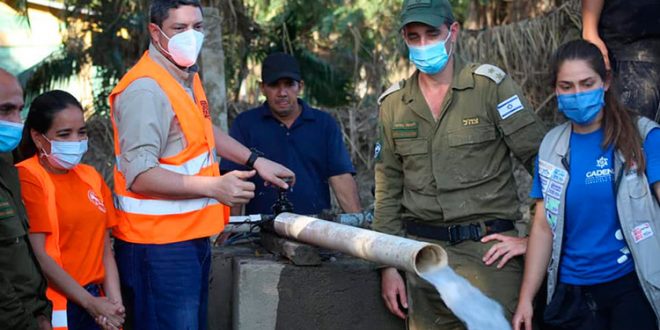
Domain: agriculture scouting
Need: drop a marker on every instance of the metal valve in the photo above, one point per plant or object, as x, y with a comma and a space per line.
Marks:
282, 204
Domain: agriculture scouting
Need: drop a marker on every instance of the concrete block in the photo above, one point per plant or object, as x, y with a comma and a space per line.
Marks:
221, 284
344, 294
256, 294
251, 289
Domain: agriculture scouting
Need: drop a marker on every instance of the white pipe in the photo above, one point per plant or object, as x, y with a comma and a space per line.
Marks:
402, 253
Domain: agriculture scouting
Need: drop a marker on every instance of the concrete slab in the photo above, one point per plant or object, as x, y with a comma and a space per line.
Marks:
252, 290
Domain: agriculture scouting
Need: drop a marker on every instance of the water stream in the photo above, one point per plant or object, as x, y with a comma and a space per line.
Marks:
477, 311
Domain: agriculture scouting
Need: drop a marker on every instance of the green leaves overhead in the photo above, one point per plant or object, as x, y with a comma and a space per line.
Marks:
335, 41
105, 37
348, 49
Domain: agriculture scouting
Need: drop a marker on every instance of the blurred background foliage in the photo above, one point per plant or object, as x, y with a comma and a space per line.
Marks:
349, 51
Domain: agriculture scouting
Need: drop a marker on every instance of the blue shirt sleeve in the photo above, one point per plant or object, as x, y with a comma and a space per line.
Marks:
236, 132
339, 160
652, 153
537, 191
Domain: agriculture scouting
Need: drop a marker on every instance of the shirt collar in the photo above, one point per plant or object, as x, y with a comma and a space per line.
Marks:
182, 76
306, 114
463, 78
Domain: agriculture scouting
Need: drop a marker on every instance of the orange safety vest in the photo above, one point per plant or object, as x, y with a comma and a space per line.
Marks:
88, 175
149, 220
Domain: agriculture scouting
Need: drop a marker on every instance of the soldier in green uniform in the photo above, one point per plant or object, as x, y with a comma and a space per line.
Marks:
444, 171
23, 302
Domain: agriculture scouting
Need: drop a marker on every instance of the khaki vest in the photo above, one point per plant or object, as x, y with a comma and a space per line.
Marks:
638, 209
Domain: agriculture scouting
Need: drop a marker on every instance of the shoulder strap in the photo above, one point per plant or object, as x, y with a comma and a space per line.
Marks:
395, 87
492, 72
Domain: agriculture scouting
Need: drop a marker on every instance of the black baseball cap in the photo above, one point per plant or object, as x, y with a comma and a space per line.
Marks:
279, 65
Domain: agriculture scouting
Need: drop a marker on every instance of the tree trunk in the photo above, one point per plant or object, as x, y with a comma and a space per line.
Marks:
473, 20
213, 67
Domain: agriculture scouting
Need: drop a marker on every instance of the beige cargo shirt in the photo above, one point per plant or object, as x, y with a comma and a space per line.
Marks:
147, 127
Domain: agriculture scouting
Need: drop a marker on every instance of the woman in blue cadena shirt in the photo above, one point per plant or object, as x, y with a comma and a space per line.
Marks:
596, 241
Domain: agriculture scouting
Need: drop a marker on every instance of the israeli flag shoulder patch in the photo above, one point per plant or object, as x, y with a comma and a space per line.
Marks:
509, 106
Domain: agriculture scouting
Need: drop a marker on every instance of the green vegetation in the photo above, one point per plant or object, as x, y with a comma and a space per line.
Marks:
347, 48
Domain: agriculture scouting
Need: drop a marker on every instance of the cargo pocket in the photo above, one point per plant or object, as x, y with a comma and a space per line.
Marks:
638, 188
415, 161
470, 149
643, 228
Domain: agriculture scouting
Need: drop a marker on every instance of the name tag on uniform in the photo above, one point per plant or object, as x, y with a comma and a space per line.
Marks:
509, 106
407, 130
6, 210
471, 121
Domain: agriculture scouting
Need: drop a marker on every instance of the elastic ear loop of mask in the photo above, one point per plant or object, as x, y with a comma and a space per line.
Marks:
168, 39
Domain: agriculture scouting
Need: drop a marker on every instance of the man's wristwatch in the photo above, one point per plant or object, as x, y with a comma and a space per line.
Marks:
254, 154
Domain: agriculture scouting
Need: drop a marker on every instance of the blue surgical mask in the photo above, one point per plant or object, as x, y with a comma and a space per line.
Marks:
582, 108
10, 135
430, 59
66, 154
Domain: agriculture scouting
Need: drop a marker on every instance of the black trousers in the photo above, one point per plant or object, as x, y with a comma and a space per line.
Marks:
616, 305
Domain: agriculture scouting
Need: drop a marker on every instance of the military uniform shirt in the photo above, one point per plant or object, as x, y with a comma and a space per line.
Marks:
13, 219
458, 168
22, 285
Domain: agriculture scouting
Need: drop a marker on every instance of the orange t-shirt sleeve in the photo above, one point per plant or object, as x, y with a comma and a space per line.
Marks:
109, 203
34, 198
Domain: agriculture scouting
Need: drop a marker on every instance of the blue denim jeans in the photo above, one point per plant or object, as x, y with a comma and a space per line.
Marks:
77, 317
164, 286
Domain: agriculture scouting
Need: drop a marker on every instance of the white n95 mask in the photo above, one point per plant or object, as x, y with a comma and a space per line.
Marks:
184, 47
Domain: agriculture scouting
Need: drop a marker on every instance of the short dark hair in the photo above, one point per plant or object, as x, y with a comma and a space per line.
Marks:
159, 9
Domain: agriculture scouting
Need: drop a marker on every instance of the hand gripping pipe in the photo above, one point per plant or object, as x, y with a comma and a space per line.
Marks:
402, 253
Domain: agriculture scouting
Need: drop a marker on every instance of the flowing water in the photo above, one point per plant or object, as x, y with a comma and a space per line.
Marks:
477, 311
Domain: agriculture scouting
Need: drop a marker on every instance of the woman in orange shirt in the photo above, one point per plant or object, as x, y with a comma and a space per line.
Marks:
71, 211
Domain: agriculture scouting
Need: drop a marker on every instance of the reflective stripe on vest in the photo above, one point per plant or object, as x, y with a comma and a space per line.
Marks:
191, 167
162, 207
59, 319
147, 220
165, 207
